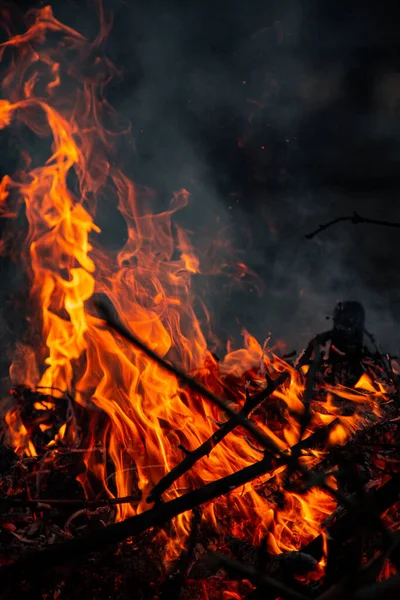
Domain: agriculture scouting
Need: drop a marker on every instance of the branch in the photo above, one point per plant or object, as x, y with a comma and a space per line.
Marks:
263, 582
184, 503
204, 449
306, 417
339, 530
355, 219
70, 550
288, 458
340, 523
117, 326
68, 503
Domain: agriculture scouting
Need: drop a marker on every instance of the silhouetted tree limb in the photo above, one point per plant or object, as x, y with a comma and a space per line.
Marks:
355, 219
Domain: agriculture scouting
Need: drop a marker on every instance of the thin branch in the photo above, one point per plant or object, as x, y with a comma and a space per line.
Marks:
307, 397
31, 565
192, 457
355, 219
117, 326
37, 503
264, 582
287, 458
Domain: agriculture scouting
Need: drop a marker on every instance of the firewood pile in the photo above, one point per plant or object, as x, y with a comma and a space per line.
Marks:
134, 462
57, 543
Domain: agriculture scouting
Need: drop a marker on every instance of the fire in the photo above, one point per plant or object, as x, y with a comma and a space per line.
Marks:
54, 87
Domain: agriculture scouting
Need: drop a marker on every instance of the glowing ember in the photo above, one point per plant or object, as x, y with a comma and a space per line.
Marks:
141, 414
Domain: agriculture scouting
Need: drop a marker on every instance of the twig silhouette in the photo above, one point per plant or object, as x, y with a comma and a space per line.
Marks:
264, 582
355, 218
40, 503
119, 328
69, 551
192, 457
290, 459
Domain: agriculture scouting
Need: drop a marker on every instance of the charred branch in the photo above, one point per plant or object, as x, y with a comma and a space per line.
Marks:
43, 503
264, 582
73, 549
191, 458
251, 427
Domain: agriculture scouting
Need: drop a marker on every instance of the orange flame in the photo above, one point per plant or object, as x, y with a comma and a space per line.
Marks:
55, 89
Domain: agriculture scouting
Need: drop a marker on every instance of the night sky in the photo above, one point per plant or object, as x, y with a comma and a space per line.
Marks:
276, 116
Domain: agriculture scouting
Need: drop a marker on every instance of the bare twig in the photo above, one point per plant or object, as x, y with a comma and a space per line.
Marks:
355, 219
68, 503
204, 449
119, 328
264, 582
161, 513
287, 458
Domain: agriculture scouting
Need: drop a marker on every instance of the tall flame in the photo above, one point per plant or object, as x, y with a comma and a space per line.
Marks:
53, 87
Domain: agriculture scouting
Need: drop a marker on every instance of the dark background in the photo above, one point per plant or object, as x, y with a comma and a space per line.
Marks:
276, 116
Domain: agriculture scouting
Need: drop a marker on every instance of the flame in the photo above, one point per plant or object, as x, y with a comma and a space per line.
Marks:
54, 87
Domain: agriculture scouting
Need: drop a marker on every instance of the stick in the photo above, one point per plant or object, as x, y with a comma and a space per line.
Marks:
382, 498
70, 550
117, 326
307, 397
355, 219
204, 449
289, 459
263, 582
342, 528
68, 503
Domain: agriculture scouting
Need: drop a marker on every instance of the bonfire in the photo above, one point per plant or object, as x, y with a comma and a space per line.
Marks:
134, 461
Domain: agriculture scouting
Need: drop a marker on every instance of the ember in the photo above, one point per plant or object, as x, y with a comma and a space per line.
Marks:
219, 478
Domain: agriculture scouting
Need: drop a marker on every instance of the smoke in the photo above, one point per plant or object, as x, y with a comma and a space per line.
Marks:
276, 117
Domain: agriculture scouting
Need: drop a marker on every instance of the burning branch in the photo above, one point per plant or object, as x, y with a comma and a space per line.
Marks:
287, 458
355, 219
155, 517
41, 503
135, 414
307, 397
251, 403
240, 419
265, 583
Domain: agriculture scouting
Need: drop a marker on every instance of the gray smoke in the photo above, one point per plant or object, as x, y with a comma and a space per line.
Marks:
276, 117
